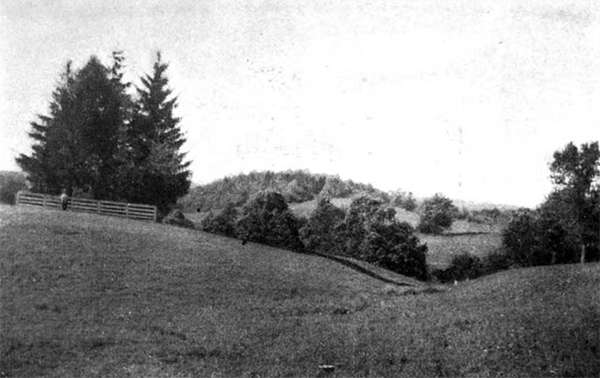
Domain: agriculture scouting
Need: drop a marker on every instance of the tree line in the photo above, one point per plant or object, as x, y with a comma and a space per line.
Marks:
105, 138
367, 231
295, 185
564, 229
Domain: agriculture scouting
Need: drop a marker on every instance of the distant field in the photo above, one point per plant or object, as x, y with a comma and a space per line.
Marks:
91, 296
442, 248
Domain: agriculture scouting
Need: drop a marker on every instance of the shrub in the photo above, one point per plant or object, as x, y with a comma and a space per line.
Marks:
223, 223
437, 215
10, 186
462, 267
176, 218
466, 266
496, 261
266, 219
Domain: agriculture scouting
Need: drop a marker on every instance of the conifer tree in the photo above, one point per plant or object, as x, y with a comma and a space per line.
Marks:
160, 175
47, 166
77, 143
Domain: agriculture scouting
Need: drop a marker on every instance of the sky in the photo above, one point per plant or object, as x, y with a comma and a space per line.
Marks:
469, 98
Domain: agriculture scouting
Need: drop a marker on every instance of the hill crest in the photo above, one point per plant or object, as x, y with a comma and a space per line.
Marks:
296, 186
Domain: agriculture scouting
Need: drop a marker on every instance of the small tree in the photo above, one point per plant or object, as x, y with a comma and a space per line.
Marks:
404, 200
318, 235
353, 230
10, 184
266, 219
222, 223
520, 237
393, 245
370, 232
437, 215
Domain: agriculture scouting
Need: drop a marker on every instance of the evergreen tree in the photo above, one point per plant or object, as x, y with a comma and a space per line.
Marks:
96, 139
48, 166
96, 124
157, 172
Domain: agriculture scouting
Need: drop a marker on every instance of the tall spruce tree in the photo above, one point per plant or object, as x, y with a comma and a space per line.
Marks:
97, 139
47, 167
98, 120
76, 145
158, 173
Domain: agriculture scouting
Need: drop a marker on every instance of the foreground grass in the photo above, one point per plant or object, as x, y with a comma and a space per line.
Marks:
89, 296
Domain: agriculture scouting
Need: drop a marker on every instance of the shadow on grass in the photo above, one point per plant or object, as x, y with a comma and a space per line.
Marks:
361, 269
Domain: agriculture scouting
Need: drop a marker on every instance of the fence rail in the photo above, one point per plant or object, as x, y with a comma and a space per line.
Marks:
111, 208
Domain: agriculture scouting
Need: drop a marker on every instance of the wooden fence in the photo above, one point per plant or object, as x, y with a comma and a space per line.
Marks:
115, 209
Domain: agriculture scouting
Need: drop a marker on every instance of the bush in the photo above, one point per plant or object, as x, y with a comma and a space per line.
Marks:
266, 219
223, 223
462, 267
176, 218
10, 186
437, 215
466, 266
496, 261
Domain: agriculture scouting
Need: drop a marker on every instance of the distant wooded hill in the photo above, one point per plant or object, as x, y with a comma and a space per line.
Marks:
296, 186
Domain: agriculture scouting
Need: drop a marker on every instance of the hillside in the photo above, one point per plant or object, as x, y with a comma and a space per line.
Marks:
296, 186
85, 295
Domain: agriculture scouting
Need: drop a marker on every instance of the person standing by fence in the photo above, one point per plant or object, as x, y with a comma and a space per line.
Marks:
64, 199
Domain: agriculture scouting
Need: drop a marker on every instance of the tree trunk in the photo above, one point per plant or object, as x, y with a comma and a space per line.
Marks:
583, 253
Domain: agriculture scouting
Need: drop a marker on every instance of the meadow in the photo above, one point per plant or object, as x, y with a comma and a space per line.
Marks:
92, 296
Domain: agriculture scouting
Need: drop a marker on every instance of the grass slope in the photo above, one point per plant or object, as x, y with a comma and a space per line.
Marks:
90, 296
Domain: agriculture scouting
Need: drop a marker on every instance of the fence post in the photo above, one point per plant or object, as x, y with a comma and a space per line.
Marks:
18, 197
155, 214
44, 200
127, 210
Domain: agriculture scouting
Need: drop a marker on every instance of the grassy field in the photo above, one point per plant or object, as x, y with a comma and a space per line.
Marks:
442, 248
91, 296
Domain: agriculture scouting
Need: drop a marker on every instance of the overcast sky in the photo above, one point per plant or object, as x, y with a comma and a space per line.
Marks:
465, 97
